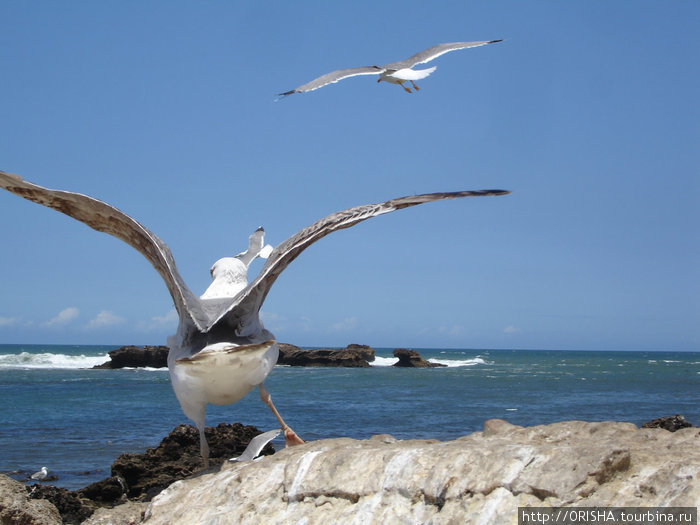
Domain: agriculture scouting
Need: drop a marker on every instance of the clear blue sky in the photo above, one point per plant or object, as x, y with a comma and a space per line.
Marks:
588, 112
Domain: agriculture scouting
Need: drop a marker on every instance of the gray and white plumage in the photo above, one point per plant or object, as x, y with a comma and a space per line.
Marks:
256, 445
395, 72
41, 475
221, 350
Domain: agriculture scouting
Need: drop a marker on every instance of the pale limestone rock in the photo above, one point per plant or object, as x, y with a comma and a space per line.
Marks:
130, 513
17, 507
480, 478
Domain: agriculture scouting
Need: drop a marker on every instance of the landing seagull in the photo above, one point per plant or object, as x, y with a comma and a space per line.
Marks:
221, 350
394, 73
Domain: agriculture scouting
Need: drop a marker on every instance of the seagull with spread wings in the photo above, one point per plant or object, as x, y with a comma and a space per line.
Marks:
221, 350
394, 73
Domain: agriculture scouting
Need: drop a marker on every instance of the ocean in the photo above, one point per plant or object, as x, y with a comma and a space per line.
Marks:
58, 413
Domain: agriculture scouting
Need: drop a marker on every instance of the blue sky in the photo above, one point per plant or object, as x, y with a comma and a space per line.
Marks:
588, 112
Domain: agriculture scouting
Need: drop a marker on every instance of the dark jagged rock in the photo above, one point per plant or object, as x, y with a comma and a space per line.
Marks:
355, 356
412, 359
137, 357
71, 508
177, 456
670, 423
141, 477
108, 492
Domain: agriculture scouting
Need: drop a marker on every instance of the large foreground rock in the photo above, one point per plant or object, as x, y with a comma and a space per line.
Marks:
17, 507
480, 478
353, 355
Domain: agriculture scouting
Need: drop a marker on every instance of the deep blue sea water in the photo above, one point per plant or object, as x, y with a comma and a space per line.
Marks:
55, 412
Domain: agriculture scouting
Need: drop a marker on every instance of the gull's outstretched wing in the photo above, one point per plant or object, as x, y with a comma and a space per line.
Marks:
243, 311
333, 77
105, 218
256, 445
434, 52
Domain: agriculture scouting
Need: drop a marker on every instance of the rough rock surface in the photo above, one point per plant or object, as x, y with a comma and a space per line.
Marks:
412, 359
17, 507
355, 356
72, 509
137, 477
480, 478
176, 457
129, 513
137, 357
671, 423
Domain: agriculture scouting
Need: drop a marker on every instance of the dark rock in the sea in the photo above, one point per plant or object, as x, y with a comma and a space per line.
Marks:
412, 359
670, 423
137, 357
177, 456
356, 356
68, 504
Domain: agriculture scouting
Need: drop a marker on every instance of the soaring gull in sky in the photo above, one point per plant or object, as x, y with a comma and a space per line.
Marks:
395, 73
221, 350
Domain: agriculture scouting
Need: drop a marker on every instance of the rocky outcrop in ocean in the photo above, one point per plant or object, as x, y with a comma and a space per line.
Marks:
353, 355
480, 478
137, 357
412, 359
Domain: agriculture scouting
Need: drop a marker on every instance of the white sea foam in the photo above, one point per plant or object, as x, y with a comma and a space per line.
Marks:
389, 361
25, 360
384, 361
461, 362
145, 368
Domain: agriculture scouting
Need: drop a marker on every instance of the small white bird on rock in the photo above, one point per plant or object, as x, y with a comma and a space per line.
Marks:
41, 475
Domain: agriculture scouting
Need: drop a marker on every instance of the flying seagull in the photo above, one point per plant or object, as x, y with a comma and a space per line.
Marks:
256, 445
221, 350
396, 72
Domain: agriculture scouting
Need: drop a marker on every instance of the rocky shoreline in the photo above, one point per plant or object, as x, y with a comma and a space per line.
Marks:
353, 355
484, 475
137, 478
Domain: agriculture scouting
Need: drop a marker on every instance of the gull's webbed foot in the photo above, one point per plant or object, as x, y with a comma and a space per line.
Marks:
291, 439
414, 86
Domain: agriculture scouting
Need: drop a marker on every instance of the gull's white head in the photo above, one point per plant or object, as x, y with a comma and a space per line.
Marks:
229, 276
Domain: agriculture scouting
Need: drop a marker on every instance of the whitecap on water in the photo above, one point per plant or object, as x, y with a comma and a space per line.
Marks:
47, 360
461, 362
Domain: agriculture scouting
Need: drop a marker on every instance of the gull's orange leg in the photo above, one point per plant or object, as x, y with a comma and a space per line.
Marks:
290, 437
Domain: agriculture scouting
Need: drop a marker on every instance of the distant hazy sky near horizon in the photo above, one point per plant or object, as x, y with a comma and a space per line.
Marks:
588, 112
